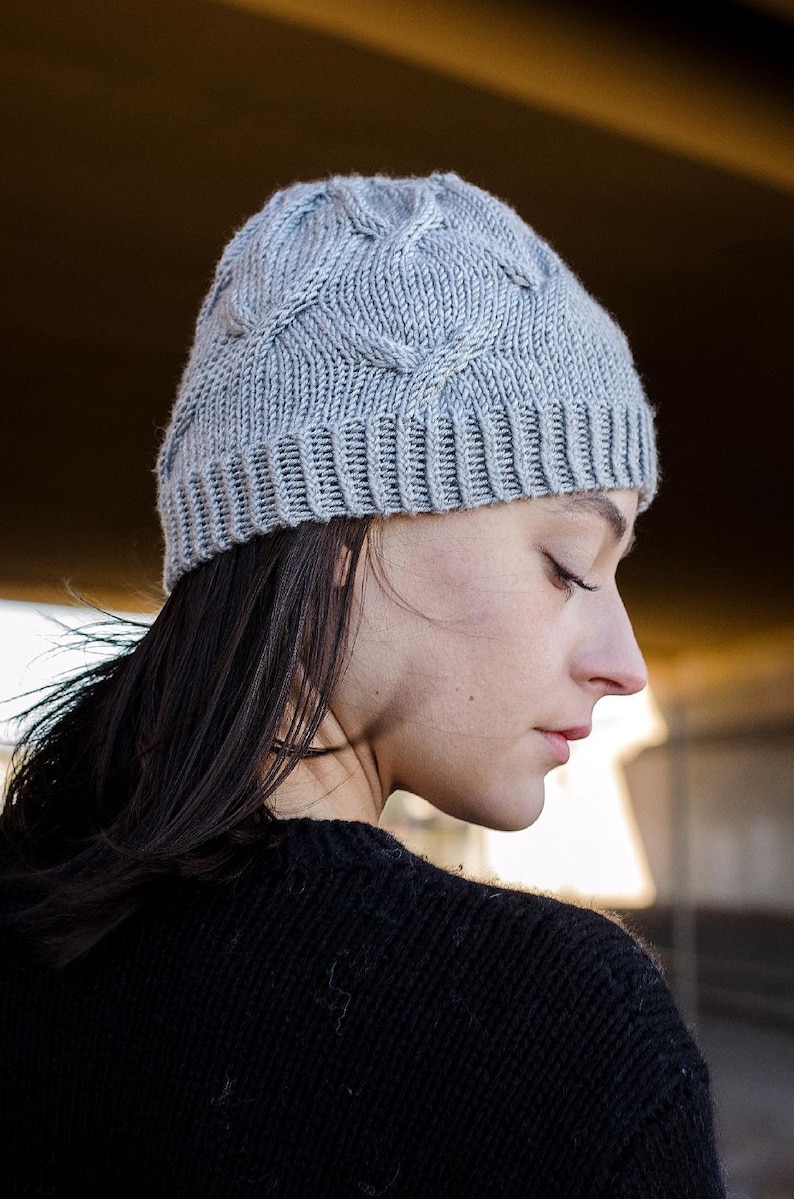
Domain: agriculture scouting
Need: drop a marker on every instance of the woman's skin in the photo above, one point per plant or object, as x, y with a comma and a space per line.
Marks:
483, 640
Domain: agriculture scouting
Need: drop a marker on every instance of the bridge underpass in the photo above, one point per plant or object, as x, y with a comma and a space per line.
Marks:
650, 144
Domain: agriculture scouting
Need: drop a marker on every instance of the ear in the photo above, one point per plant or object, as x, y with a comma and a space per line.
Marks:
342, 568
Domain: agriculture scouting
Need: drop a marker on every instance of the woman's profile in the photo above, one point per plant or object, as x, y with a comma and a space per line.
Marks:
405, 461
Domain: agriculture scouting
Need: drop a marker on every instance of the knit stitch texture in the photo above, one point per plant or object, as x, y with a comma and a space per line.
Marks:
378, 345
346, 1020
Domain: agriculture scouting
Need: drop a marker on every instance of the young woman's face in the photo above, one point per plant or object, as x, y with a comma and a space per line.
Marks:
485, 638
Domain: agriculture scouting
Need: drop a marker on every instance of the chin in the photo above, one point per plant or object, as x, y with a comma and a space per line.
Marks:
508, 811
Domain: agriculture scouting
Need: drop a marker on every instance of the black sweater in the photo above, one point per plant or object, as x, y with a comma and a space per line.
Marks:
348, 1020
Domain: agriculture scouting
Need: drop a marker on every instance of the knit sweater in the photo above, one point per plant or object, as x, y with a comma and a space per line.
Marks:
348, 1020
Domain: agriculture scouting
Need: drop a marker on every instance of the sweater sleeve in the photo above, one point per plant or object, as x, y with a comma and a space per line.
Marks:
672, 1154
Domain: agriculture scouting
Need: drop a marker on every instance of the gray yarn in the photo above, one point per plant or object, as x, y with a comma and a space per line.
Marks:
373, 346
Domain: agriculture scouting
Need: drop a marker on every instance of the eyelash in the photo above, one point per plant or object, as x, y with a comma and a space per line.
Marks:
567, 580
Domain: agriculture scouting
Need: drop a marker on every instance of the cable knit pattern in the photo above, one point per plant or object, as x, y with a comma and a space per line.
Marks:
377, 345
347, 1020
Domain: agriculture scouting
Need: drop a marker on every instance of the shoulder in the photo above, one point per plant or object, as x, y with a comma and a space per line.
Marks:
452, 905
522, 976
319, 852
550, 1017
505, 945
568, 985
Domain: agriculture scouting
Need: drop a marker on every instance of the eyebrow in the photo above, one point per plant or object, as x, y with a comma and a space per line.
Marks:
602, 506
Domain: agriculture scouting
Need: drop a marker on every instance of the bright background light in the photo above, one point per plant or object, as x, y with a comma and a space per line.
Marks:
38, 647
586, 845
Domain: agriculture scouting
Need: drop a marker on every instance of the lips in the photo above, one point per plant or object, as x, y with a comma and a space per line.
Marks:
576, 734
557, 740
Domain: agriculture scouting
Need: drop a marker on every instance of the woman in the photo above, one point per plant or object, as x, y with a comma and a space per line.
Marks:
405, 461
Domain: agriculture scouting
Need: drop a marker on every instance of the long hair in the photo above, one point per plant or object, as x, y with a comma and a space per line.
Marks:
159, 763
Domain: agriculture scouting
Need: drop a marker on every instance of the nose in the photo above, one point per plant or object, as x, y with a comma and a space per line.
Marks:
610, 661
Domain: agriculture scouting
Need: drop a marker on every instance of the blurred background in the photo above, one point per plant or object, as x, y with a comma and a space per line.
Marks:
653, 145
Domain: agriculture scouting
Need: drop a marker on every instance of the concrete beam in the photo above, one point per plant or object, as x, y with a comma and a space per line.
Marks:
648, 85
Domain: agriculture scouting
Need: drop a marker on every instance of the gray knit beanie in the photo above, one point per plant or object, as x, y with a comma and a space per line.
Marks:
372, 346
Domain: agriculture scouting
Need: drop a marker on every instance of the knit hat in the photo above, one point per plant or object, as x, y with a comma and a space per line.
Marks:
378, 345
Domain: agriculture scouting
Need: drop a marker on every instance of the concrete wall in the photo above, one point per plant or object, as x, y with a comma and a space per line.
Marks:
715, 803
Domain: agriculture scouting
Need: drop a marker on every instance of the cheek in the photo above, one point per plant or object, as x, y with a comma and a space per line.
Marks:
492, 668
513, 636
460, 647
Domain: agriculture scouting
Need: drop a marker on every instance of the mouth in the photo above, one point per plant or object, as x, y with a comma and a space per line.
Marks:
558, 739
575, 734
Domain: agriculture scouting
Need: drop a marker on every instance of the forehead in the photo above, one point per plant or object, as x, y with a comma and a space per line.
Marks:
612, 512
617, 509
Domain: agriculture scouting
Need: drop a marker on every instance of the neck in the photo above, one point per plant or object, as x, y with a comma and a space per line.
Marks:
341, 785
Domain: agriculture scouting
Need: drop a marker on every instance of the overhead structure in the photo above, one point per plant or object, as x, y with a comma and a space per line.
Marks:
656, 154
623, 74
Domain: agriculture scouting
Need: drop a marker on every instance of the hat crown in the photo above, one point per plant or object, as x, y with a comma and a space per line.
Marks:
354, 330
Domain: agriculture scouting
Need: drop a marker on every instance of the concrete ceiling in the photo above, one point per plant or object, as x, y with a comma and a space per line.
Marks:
141, 133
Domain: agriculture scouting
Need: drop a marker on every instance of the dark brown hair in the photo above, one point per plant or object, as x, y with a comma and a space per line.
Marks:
158, 763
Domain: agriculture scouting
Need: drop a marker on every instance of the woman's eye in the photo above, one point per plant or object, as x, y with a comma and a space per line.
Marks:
567, 580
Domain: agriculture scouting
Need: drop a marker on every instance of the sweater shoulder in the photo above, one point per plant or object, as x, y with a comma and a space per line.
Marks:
559, 1007
392, 874
583, 961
